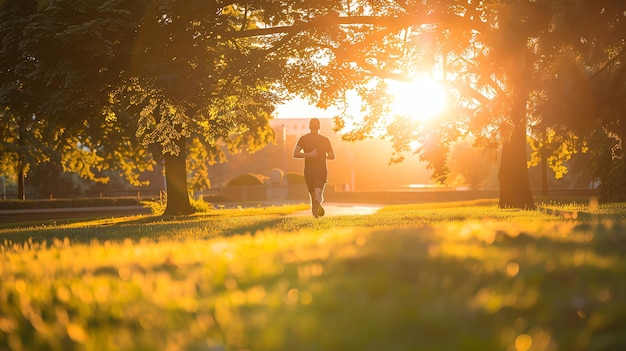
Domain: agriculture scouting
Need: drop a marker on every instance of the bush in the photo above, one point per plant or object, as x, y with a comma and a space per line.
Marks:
294, 178
156, 207
215, 198
201, 206
246, 180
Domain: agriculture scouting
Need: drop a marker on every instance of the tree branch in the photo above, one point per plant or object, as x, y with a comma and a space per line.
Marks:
608, 64
324, 21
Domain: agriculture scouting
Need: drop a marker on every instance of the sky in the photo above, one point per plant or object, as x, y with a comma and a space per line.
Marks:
421, 99
300, 108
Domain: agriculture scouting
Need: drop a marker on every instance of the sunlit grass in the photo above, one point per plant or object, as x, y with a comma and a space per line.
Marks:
411, 277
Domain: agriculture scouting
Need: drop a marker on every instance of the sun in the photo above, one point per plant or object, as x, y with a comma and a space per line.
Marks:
420, 99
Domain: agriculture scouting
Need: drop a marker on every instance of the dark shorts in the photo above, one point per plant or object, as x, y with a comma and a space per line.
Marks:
315, 179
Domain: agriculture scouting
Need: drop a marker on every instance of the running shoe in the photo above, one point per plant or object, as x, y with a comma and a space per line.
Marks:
320, 210
315, 208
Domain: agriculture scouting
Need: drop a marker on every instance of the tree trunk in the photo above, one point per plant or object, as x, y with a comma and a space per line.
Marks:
513, 176
544, 173
21, 160
21, 184
176, 182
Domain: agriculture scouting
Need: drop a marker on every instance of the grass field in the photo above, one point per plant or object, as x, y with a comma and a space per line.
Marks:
411, 277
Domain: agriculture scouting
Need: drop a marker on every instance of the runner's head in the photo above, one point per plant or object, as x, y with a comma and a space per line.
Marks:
314, 124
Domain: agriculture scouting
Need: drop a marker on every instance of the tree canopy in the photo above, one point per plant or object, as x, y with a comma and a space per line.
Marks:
116, 76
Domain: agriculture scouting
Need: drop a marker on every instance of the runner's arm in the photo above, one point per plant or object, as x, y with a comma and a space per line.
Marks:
330, 154
298, 152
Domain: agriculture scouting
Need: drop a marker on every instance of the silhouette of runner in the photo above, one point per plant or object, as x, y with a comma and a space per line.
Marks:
315, 149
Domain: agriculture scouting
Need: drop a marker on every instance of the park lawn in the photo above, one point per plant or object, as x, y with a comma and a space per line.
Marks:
410, 277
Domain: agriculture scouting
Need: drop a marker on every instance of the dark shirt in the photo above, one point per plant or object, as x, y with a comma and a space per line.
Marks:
310, 142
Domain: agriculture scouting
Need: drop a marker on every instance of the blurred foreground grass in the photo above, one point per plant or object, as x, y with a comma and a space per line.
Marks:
411, 277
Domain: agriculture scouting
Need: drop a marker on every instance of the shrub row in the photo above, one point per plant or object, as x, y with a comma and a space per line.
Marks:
251, 179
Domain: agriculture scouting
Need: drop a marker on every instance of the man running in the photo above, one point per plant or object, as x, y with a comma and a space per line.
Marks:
315, 149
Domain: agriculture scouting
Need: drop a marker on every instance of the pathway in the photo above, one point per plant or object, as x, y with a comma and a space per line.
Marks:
342, 209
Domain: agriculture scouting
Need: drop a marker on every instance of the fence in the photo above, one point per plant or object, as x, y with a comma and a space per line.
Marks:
269, 192
141, 194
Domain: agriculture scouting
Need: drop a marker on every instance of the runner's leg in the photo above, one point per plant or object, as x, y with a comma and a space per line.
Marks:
318, 201
314, 204
309, 178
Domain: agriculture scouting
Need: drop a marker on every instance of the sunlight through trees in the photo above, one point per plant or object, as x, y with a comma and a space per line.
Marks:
115, 78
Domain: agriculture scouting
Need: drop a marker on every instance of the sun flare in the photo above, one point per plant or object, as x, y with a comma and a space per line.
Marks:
421, 99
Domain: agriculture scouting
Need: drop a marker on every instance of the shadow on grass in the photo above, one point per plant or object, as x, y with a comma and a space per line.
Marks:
399, 290
155, 228
416, 288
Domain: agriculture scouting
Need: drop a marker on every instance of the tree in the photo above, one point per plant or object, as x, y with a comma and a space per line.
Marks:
105, 72
480, 49
481, 52
494, 58
583, 90
610, 135
198, 165
201, 72
55, 59
471, 165
607, 139
551, 149
196, 69
20, 145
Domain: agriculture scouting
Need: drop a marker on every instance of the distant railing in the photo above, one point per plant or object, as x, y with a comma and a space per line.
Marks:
142, 194
266, 192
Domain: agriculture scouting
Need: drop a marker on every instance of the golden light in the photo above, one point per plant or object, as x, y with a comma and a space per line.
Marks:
421, 99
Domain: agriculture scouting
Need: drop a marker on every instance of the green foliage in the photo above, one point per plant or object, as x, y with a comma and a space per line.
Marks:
58, 60
608, 164
410, 276
156, 207
119, 75
201, 206
197, 165
581, 88
555, 148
